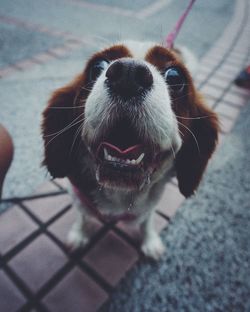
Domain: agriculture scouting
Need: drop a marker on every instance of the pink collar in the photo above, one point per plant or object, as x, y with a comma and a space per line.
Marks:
86, 201
173, 34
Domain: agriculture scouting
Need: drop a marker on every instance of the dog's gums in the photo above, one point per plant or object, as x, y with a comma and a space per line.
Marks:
130, 157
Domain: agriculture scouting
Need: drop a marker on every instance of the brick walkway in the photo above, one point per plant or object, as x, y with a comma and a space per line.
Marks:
37, 271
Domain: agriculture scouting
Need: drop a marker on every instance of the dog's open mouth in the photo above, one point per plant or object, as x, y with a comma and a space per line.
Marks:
123, 159
130, 158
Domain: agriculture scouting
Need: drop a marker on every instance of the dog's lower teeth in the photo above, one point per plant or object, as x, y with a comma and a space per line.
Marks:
140, 158
106, 155
123, 161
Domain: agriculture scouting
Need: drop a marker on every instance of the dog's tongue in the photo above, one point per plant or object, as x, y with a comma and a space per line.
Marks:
132, 152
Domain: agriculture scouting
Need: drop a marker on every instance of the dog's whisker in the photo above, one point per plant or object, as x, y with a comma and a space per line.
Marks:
67, 107
183, 96
71, 124
79, 129
193, 135
180, 84
171, 146
181, 133
65, 129
102, 39
85, 88
194, 118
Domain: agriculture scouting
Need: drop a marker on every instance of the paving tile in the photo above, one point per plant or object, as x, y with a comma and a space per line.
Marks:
241, 48
15, 226
73, 45
229, 71
170, 201
4, 72
25, 64
134, 232
200, 77
219, 81
38, 262
47, 187
64, 183
210, 101
222, 75
47, 207
111, 257
160, 223
226, 124
235, 99
211, 62
61, 226
216, 51
212, 91
240, 91
237, 55
234, 61
205, 70
59, 51
221, 138
212, 58
227, 110
231, 66
76, 292
11, 298
43, 57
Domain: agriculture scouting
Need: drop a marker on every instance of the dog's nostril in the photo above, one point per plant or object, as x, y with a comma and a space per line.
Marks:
143, 77
114, 72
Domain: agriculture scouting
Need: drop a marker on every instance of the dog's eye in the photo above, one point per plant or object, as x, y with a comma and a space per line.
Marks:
175, 79
97, 68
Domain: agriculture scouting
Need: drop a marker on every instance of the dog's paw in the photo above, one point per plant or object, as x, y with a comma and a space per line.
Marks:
153, 247
76, 239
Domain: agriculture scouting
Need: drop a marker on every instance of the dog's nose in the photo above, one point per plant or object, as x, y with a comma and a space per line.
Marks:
128, 78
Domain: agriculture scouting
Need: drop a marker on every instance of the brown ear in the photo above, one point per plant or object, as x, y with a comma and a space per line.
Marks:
58, 130
197, 148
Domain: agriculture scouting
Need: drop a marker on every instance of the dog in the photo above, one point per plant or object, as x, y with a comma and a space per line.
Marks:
121, 129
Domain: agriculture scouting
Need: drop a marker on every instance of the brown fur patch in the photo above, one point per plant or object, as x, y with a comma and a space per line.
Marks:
160, 57
197, 123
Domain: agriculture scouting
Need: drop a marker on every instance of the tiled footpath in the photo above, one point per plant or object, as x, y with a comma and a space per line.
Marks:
37, 272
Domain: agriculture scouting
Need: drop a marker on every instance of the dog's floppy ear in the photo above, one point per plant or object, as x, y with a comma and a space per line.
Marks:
197, 147
58, 129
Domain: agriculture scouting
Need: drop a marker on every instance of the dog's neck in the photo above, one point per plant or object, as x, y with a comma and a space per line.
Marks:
110, 201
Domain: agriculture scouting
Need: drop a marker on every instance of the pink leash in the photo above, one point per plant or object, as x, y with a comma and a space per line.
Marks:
173, 34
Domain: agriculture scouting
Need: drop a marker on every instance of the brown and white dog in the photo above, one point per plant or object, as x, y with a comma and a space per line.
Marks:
129, 122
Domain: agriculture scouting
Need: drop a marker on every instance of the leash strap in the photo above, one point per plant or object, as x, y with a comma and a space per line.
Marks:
173, 34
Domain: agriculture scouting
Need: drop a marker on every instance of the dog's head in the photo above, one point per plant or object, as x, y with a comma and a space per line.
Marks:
135, 111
